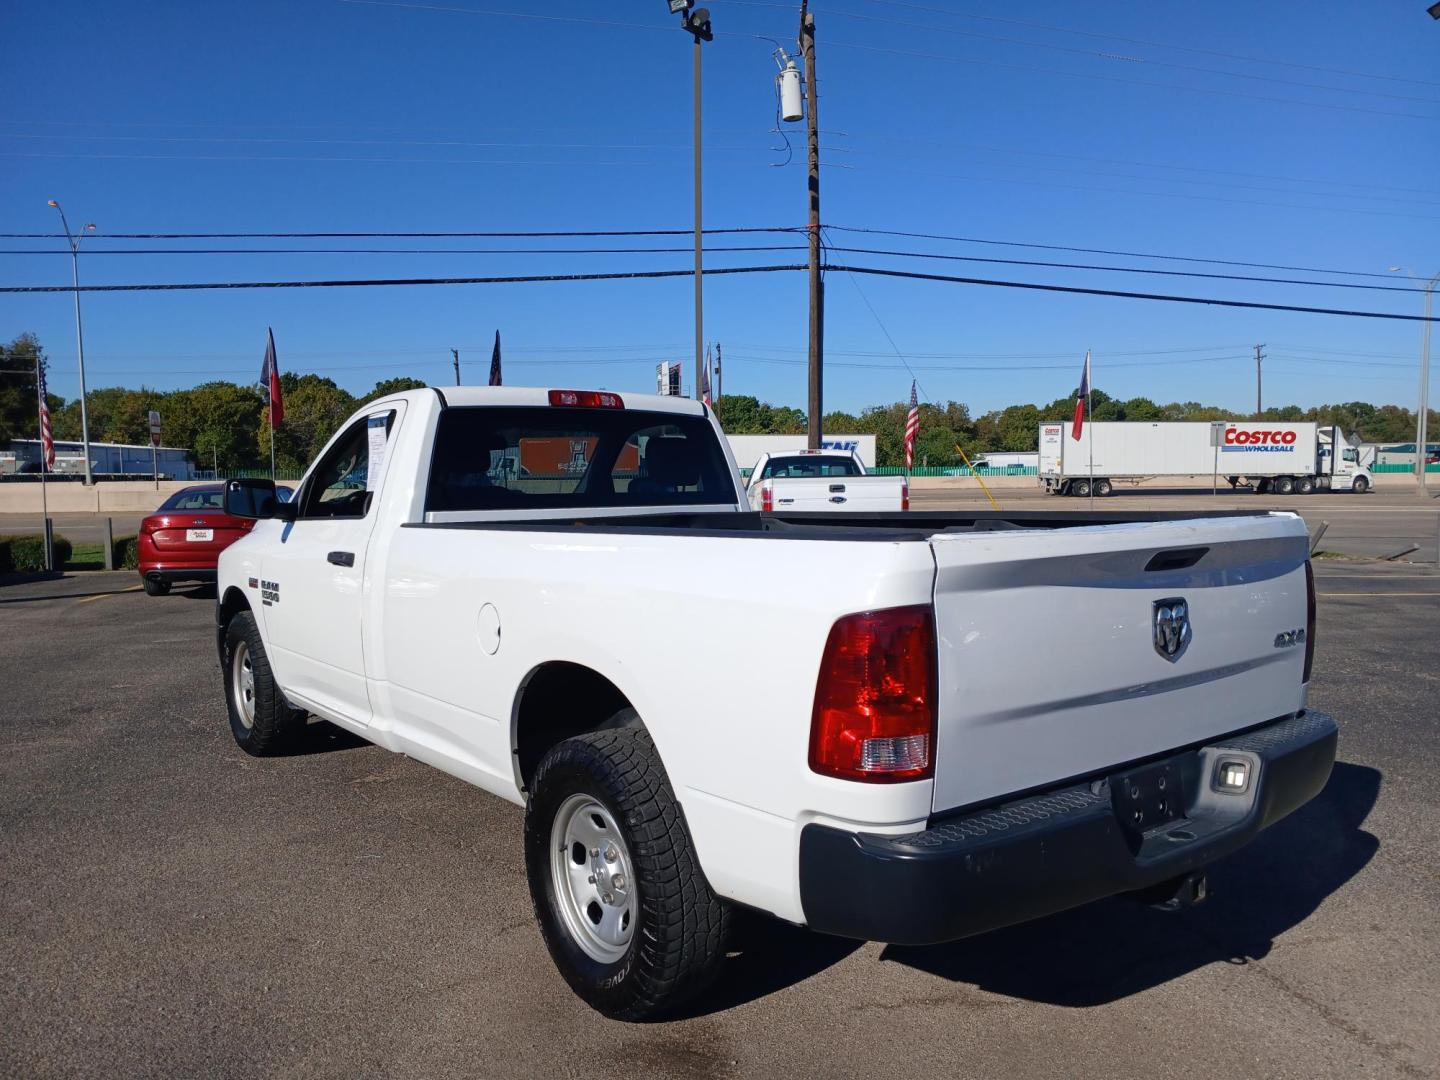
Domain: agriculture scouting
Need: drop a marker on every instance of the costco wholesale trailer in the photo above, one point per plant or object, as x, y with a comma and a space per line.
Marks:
1262, 456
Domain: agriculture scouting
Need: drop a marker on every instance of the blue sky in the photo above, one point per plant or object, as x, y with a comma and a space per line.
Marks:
1133, 127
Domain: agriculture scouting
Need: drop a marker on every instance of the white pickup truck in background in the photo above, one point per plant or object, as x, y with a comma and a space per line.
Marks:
966, 720
823, 480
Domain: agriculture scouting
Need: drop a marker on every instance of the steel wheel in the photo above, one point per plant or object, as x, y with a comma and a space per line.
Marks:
242, 684
594, 883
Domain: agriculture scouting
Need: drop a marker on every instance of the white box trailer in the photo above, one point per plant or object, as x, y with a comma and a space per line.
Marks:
1259, 455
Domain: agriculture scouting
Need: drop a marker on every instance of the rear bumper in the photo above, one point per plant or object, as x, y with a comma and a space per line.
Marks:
176, 574
1058, 849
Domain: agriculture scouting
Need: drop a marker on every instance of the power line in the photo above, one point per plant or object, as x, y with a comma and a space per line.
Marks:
372, 282
1126, 270
1101, 251
409, 251
1124, 82
564, 233
935, 28
642, 274
1269, 60
1124, 294
721, 250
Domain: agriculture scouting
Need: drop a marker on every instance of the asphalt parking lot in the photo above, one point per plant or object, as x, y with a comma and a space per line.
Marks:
169, 906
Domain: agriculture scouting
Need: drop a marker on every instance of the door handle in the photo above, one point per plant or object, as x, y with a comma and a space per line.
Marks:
341, 558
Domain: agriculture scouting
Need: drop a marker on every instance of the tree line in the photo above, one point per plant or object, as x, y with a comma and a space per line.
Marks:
223, 423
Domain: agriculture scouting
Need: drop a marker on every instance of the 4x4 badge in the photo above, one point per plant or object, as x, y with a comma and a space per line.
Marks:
1171, 622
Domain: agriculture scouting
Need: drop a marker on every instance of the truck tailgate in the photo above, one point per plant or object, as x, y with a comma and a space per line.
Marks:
870, 494
1049, 664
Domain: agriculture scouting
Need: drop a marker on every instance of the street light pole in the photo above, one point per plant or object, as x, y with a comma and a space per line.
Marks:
74, 240
697, 24
1422, 418
699, 241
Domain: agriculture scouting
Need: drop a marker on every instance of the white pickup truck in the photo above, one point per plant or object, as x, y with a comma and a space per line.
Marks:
964, 720
823, 480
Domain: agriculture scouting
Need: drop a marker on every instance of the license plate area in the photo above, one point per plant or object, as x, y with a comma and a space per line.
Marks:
200, 535
1149, 797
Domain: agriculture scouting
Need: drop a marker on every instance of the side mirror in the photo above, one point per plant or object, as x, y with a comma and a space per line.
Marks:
256, 499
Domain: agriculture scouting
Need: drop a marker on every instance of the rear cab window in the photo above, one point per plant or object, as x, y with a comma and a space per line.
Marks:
801, 467
539, 458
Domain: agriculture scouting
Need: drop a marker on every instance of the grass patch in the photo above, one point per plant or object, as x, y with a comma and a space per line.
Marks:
86, 557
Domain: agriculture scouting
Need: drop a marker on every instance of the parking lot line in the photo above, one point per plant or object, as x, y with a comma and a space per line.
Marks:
102, 596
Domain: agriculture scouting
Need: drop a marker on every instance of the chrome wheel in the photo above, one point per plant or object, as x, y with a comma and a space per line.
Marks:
591, 873
242, 684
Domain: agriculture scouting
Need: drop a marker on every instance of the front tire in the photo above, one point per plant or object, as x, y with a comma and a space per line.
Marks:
1360, 485
602, 809
260, 718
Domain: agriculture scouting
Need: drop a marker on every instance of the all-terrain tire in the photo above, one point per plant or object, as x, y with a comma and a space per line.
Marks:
678, 941
260, 718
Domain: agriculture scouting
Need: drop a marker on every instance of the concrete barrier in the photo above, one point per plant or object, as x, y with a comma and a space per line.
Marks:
111, 497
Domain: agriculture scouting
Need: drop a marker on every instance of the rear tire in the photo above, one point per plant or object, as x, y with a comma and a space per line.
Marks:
1304, 485
1102, 488
260, 718
640, 948
156, 588
1284, 485
1080, 488
1360, 485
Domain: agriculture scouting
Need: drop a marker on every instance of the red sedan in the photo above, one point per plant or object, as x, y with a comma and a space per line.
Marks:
182, 540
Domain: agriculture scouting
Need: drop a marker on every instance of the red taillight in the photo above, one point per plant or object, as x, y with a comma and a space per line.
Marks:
874, 716
904, 495
150, 525
586, 399
767, 496
1309, 620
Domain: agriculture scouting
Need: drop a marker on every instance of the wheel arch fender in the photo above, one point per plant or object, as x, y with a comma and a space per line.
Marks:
231, 603
563, 697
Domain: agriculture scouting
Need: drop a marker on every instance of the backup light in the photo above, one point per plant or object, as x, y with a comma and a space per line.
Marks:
1232, 776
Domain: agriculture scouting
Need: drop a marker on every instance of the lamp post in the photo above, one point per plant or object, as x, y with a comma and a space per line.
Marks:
697, 23
1422, 419
74, 239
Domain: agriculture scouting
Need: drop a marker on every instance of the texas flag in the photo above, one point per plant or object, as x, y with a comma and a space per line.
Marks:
270, 381
1082, 399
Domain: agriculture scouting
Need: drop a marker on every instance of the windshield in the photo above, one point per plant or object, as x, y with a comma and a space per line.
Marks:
490, 458
802, 466
194, 500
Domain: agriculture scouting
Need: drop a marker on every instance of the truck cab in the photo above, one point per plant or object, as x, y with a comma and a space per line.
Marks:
1350, 468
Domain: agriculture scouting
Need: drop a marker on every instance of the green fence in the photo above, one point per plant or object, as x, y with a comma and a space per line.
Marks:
1400, 467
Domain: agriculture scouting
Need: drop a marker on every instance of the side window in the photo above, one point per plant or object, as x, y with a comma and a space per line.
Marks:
340, 485
1351, 455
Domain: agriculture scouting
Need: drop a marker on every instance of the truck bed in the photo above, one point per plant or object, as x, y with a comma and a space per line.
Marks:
915, 525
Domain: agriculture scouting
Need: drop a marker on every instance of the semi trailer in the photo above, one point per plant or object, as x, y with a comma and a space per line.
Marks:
1259, 455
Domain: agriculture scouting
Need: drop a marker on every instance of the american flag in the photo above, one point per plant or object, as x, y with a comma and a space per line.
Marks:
47, 437
912, 427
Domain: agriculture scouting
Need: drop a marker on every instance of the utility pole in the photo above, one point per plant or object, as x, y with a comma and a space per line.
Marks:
1259, 356
815, 400
74, 241
456, 354
718, 383
699, 264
